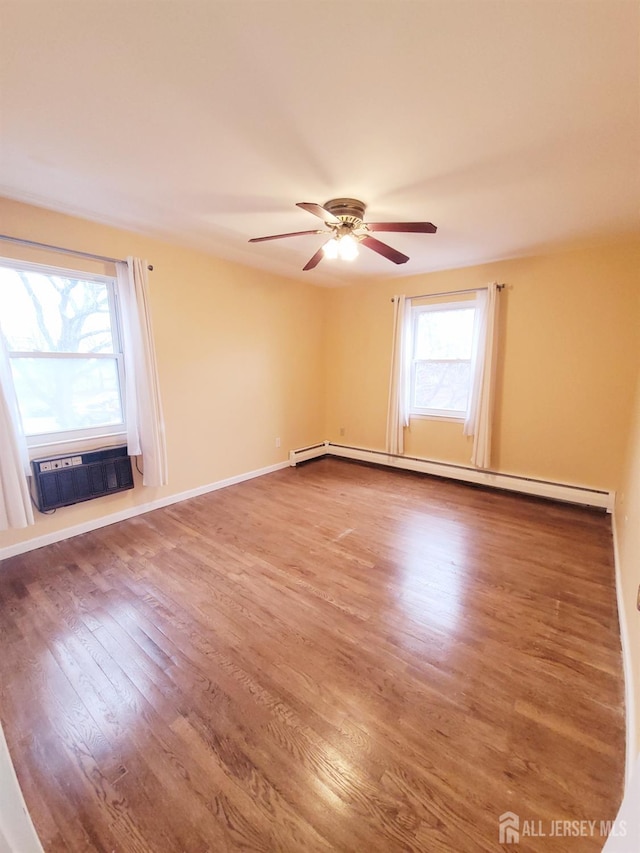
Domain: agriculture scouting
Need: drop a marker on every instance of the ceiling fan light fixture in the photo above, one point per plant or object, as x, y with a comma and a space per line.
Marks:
331, 249
348, 248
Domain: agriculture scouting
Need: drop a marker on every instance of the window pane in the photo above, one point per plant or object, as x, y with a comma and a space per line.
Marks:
57, 394
442, 385
444, 334
52, 313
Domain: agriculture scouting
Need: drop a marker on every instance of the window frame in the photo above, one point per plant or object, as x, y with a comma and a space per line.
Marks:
86, 437
455, 415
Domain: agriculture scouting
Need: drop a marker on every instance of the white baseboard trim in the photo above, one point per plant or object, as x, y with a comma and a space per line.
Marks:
631, 753
511, 482
130, 512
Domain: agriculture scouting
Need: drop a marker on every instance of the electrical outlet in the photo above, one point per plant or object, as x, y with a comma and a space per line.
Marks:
341, 430
277, 442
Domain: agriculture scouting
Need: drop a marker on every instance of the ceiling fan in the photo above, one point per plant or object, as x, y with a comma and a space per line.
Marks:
345, 225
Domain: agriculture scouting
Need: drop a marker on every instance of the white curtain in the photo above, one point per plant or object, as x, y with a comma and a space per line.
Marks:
15, 500
398, 408
480, 411
145, 422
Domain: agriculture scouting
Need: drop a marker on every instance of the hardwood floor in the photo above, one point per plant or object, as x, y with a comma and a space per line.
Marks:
330, 657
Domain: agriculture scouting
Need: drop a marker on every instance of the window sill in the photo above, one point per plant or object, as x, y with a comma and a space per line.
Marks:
447, 418
75, 445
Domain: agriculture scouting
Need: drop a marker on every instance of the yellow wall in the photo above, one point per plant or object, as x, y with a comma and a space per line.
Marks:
240, 357
245, 357
567, 362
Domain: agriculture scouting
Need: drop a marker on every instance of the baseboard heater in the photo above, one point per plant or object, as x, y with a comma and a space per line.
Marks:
65, 480
565, 492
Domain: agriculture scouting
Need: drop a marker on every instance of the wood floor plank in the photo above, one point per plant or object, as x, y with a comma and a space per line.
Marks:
331, 657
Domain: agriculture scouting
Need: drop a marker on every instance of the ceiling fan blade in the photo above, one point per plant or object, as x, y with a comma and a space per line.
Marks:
278, 236
317, 210
315, 260
407, 227
382, 249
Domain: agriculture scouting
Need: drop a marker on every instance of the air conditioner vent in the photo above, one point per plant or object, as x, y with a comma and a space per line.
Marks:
65, 480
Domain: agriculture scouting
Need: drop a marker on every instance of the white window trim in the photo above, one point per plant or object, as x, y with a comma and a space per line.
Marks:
88, 438
438, 415
454, 415
48, 269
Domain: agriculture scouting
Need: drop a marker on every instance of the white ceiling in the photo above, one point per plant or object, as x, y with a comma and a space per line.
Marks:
513, 125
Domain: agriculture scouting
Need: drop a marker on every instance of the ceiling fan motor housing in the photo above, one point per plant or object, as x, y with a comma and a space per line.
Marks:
349, 210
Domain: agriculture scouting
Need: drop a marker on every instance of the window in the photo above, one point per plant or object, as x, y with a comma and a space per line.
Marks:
62, 336
441, 351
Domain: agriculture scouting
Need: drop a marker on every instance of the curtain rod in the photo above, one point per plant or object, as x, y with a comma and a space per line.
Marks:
34, 245
450, 292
